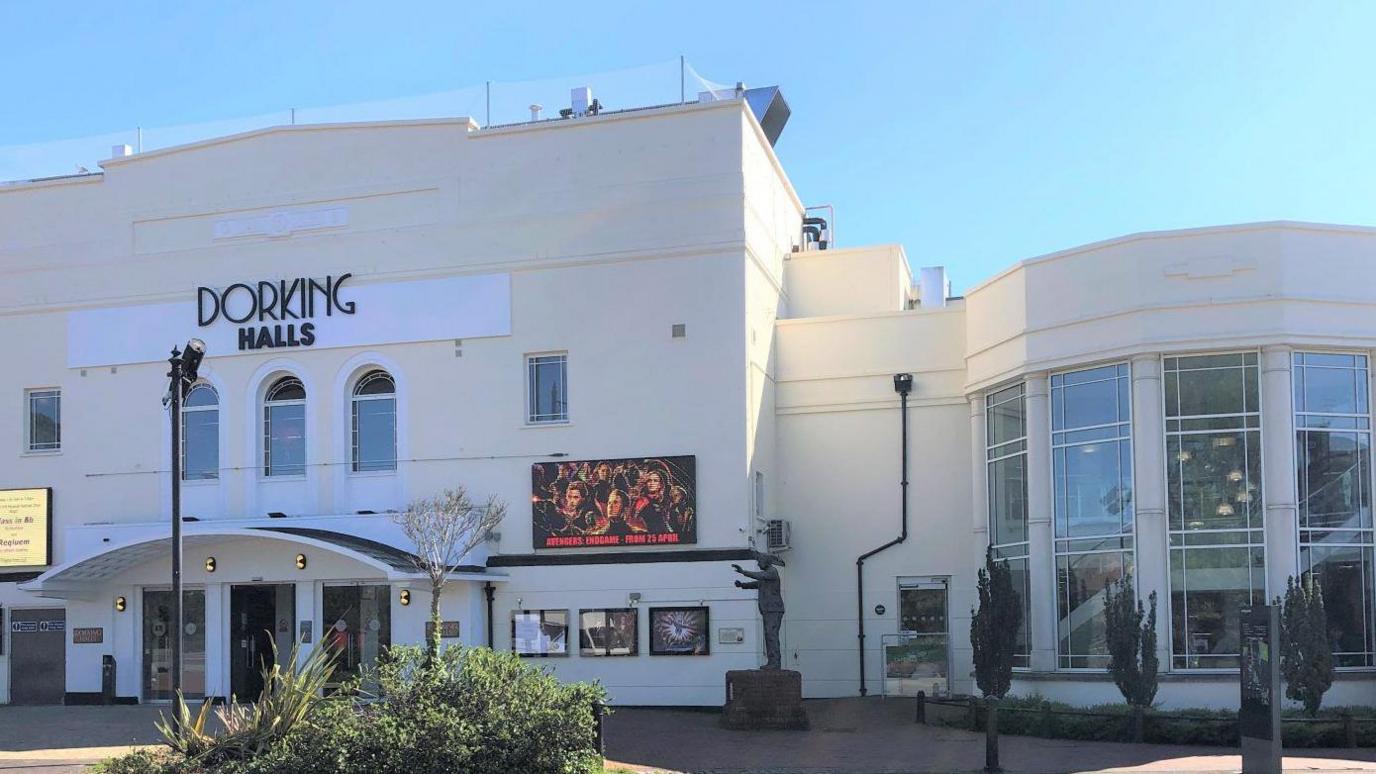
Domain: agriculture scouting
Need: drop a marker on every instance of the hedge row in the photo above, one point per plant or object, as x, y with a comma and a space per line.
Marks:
1034, 716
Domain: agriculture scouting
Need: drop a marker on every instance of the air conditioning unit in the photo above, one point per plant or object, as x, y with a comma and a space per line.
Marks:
776, 535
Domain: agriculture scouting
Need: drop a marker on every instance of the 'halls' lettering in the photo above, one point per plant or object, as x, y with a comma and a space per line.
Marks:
273, 336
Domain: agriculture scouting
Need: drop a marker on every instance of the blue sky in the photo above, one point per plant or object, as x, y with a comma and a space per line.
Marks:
975, 134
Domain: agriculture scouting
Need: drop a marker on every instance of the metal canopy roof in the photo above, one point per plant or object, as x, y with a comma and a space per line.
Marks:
391, 563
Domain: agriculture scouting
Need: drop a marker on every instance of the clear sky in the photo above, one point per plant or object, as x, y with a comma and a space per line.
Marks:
976, 134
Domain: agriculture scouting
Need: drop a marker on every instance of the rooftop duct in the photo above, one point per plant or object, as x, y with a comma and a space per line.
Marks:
767, 103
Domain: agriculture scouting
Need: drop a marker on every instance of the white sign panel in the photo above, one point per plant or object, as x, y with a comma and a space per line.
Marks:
280, 315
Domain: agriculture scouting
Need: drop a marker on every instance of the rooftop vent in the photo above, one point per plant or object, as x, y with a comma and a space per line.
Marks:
120, 151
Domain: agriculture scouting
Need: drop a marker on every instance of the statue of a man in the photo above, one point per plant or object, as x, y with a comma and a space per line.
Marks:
771, 601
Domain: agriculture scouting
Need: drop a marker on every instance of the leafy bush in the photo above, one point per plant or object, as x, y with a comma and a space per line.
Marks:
1034, 716
473, 710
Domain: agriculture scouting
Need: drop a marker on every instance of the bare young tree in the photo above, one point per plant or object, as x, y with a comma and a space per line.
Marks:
444, 529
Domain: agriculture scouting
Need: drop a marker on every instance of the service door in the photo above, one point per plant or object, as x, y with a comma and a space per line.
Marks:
38, 655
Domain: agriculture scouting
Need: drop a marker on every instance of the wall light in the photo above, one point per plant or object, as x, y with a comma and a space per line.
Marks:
210, 564
120, 604
405, 597
300, 561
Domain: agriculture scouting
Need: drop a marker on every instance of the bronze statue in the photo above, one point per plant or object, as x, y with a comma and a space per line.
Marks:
771, 602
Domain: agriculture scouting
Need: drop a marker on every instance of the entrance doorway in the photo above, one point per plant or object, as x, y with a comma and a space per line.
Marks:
158, 632
38, 656
918, 658
258, 615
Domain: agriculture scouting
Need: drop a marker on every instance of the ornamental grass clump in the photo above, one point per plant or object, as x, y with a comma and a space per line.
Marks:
290, 695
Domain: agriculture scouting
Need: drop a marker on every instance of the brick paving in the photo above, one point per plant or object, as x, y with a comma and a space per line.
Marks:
877, 736
854, 736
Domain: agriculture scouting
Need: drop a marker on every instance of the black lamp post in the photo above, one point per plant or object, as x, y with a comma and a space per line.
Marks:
182, 376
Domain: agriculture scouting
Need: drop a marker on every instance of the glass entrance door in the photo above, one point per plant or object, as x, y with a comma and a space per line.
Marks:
259, 615
157, 644
918, 658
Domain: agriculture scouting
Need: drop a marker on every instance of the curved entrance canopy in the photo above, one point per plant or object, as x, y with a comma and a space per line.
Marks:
391, 563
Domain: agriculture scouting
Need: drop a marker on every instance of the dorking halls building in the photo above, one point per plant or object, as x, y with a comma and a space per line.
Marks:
628, 327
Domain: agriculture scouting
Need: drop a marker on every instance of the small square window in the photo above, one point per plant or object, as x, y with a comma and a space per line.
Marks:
44, 424
547, 389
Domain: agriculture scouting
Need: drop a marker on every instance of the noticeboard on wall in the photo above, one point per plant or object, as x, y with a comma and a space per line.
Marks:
26, 527
643, 501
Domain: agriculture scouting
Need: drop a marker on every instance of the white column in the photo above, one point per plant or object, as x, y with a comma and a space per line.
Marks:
1041, 561
1278, 469
979, 491
1152, 572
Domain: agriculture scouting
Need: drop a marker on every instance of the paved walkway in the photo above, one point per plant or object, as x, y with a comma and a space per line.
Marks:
877, 736
855, 736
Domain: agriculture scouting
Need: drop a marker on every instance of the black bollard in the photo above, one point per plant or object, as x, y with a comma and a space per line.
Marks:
597, 712
921, 711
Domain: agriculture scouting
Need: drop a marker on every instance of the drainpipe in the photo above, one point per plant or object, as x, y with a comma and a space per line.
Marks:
902, 384
490, 591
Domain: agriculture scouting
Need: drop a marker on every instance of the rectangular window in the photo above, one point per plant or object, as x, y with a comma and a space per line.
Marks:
1214, 500
44, 420
540, 632
1091, 461
1333, 461
1006, 452
611, 632
547, 388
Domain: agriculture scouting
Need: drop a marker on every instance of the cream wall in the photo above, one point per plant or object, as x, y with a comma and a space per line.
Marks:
612, 230
839, 439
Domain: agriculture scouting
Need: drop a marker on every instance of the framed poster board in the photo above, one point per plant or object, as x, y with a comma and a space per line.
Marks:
609, 632
680, 631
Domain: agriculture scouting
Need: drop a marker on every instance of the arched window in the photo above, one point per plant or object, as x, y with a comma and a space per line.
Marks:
201, 434
374, 422
284, 428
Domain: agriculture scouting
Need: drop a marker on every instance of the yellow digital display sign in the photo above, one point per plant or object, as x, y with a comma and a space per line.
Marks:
25, 527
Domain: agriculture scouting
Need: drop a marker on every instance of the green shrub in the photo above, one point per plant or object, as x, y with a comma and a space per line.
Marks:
1029, 716
141, 762
473, 710
1306, 659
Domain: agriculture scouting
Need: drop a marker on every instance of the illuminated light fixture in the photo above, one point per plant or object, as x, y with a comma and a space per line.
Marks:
1182, 456
210, 564
120, 604
405, 597
1224, 441
1089, 448
300, 561
1225, 509
1235, 476
1244, 497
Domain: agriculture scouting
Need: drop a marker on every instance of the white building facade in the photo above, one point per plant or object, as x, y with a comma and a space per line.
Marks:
622, 327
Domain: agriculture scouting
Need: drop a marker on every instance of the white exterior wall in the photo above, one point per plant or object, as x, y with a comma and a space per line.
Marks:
610, 231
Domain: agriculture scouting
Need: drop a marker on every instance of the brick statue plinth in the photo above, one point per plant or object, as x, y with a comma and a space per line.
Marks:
764, 698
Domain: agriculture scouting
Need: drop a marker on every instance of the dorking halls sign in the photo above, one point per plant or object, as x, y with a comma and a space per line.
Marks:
269, 315
26, 517
274, 313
